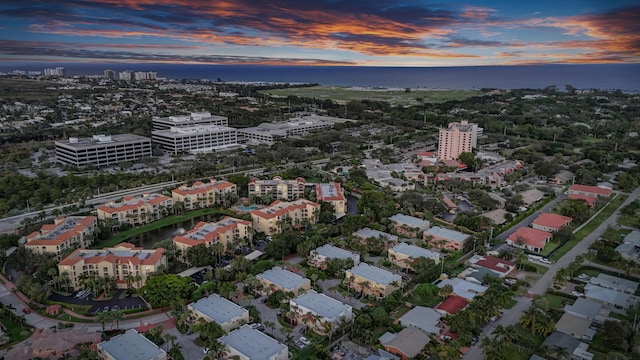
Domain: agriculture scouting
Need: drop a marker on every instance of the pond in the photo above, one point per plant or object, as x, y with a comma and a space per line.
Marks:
148, 239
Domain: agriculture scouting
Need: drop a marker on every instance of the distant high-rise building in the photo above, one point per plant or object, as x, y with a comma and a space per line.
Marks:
110, 74
145, 75
59, 71
459, 137
126, 75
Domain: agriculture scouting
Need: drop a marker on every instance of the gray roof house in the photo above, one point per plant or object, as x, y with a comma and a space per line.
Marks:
423, 318
614, 300
224, 312
367, 233
382, 355
284, 279
130, 346
251, 344
408, 343
409, 225
320, 305
630, 247
615, 283
328, 252
464, 288
577, 350
576, 326
588, 309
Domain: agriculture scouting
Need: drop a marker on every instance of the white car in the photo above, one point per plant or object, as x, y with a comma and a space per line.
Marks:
545, 261
577, 293
305, 341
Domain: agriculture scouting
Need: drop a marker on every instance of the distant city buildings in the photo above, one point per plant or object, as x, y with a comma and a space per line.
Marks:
110, 74
278, 188
457, 138
58, 71
65, 233
102, 150
136, 210
128, 265
279, 215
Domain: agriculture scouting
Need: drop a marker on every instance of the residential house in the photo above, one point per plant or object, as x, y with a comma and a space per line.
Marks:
203, 195
136, 210
613, 300
423, 318
130, 346
405, 255
593, 191
452, 305
500, 267
322, 313
588, 309
277, 188
577, 350
532, 196
630, 247
477, 275
409, 225
576, 326
130, 266
278, 278
590, 201
562, 177
246, 343
334, 195
326, 252
551, 222
382, 355
463, 288
53, 343
274, 218
498, 216
65, 233
372, 280
407, 344
529, 238
222, 232
367, 233
614, 283
219, 310
443, 238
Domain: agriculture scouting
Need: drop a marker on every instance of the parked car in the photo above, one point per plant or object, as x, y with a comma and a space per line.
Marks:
257, 326
474, 340
105, 309
545, 261
115, 308
304, 341
577, 293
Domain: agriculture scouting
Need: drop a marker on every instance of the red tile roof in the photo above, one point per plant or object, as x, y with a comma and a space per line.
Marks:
133, 203
200, 187
426, 154
326, 197
495, 264
452, 304
590, 200
41, 238
450, 204
590, 189
216, 230
98, 256
552, 221
280, 208
532, 237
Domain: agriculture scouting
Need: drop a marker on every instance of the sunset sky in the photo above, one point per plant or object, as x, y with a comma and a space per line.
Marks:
322, 32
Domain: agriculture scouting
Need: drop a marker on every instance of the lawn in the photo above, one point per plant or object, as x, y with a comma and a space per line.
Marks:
511, 303
630, 220
169, 220
556, 301
15, 331
395, 96
613, 205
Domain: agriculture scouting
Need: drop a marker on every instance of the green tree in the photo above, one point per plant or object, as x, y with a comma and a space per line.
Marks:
164, 290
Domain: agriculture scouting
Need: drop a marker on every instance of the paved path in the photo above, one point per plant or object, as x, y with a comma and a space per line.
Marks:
511, 316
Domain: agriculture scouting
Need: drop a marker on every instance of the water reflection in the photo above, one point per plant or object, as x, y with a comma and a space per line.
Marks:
148, 239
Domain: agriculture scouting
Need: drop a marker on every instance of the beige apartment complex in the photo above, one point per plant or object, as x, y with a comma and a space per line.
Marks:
65, 233
202, 195
334, 195
277, 188
278, 278
220, 232
457, 138
136, 210
372, 280
127, 264
273, 218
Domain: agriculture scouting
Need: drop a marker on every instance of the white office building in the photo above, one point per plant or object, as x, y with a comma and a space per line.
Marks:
193, 119
195, 139
102, 150
271, 132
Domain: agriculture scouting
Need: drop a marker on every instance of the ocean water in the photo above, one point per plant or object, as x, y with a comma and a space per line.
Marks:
625, 77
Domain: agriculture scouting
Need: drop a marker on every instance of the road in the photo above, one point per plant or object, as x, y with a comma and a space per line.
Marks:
511, 316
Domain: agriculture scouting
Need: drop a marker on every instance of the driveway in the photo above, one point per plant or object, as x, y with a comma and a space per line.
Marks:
189, 348
269, 314
99, 305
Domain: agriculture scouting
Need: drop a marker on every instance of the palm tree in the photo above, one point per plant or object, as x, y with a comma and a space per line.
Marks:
168, 338
328, 328
492, 348
117, 316
446, 291
521, 259
271, 325
103, 317
559, 353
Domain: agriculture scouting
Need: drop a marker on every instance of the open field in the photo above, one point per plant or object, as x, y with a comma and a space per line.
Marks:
393, 96
27, 90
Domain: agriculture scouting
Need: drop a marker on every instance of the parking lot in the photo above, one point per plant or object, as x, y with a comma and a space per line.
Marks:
115, 303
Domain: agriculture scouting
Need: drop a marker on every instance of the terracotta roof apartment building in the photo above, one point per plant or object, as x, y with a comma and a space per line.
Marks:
334, 195
220, 232
277, 188
500, 267
452, 305
551, 222
136, 210
65, 233
270, 219
202, 195
589, 190
121, 262
589, 200
529, 238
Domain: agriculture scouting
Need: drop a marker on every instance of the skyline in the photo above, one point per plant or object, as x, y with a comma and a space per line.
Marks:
321, 32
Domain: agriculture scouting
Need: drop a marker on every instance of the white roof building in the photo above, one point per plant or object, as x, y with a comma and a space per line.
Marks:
414, 252
130, 346
423, 318
320, 305
224, 312
375, 274
251, 344
283, 278
328, 252
464, 288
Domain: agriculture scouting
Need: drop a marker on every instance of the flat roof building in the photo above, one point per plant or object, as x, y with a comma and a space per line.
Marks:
195, 139
367, 233
193, 119
320, 309
333, 194
372, 280
278, 278
405, 255
102, 150
409, 225
443, 238
220, 310
271, 132
423, 318
457, 138
251, 344
328, 252
130, 346
587, 190
464, 288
